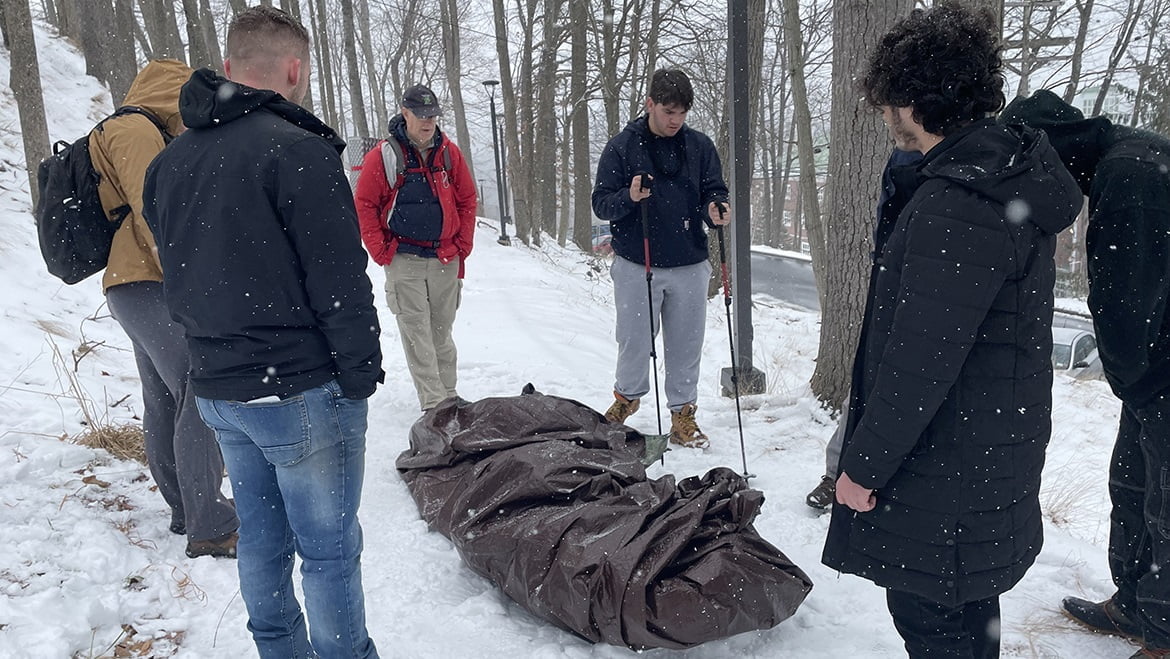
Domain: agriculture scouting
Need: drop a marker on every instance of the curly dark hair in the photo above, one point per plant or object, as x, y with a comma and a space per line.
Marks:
943, 62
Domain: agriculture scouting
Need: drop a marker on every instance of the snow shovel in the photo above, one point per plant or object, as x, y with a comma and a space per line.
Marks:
730, 338
656, 445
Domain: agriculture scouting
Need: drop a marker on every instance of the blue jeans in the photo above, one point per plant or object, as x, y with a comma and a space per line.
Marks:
296, 468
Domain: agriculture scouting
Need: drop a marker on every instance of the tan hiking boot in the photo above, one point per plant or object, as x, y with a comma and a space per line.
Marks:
684, 431
622, 408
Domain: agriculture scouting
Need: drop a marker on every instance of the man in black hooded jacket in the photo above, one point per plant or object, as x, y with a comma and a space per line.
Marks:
263, 266
950, 412
1125, 172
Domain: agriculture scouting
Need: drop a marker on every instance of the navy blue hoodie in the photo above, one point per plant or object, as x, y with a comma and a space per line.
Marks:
687, 178
258, 237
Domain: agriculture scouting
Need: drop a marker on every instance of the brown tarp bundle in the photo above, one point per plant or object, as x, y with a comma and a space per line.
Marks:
550, 502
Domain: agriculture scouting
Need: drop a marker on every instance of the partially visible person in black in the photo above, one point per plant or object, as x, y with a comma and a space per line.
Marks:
1125, 172
899, 181
951, 396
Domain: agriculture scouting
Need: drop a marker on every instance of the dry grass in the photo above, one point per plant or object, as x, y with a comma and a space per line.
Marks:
124, 441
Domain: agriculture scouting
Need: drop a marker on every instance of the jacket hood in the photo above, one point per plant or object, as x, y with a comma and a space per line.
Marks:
1013, 166
210, 100
156, 90
1078, 140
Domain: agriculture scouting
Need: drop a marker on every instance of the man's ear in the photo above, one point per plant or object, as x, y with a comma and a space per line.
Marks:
648, 104
294, 71
227, 68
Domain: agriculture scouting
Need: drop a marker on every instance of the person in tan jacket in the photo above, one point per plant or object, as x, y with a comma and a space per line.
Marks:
181, 450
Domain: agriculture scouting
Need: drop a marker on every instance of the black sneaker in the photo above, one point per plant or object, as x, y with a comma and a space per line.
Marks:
822, 495
1102, 617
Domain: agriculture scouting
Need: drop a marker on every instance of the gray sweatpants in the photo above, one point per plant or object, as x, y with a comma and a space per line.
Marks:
833, 448
424, 295
181, 450
679, 310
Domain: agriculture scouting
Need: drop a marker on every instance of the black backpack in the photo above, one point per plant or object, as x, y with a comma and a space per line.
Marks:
74, 232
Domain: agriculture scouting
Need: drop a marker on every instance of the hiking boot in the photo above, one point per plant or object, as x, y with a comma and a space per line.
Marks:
684, 431
221, 547
822, 495
622, 408
1102, 617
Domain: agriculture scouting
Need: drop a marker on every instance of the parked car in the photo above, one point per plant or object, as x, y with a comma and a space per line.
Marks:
602, 246
1074, 352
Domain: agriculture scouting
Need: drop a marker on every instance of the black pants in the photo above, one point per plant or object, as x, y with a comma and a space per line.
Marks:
930, 630
1139, 533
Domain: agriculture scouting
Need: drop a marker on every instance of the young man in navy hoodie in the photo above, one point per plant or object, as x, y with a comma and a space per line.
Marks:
683, 189
263, 266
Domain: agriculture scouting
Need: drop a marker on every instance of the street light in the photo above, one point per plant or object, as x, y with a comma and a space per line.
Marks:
490, 85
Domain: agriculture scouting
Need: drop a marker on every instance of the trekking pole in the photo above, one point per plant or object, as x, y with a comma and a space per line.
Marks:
730, 338
644, 182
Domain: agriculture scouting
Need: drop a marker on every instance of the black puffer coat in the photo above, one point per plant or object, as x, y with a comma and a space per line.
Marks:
1126, 174
952, 387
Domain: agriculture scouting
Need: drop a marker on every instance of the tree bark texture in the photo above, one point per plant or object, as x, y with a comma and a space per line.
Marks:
25, 81
162, 29
453, 59
361, 127
859, 150
578, 133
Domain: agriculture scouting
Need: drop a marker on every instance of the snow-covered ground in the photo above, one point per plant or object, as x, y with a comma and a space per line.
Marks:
87, 563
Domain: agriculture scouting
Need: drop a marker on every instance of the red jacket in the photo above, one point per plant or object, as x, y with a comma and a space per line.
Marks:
454, 189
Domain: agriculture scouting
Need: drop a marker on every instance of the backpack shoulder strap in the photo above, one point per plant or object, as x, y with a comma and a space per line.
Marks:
393, 161
134, 109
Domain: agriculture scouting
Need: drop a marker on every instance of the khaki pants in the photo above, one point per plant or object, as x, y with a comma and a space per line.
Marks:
423, 294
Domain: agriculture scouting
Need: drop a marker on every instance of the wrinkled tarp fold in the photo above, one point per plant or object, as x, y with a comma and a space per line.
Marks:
550, 502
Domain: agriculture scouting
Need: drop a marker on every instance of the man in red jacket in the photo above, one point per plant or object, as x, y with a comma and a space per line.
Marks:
416, 203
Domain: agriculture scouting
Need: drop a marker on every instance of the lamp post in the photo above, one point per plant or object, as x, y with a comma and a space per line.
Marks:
490, 85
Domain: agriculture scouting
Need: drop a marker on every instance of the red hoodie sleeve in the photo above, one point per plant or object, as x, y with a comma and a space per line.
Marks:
372, 197
465, 201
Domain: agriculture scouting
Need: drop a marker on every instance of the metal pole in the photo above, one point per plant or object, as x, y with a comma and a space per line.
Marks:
504, 176
503, 239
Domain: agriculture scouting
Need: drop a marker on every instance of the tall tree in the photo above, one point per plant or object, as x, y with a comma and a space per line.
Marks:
1084, 10
544, 160
162, 28
357, 103
578, 131
802, 121
200, 53
453, 59
860, 147
377, 94
25, 81
1129, 22
329, 110
518, 168
109, 51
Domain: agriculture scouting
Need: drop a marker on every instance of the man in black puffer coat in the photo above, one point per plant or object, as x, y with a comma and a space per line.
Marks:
937, 498
1125, 172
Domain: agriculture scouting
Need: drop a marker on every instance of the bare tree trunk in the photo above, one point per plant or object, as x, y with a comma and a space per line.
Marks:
578, 136
210, 37
162, 29
859, 150
106, 48
452, 58
519, 169
565, 210
1078, 55
357, 103
378, 95
1124, 37
69, 19
25, 81
4, 27
802, 120
200, 54
51, 13
325, 77
544, 160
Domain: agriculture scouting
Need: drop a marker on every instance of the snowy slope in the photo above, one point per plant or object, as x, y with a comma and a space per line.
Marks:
85, 553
